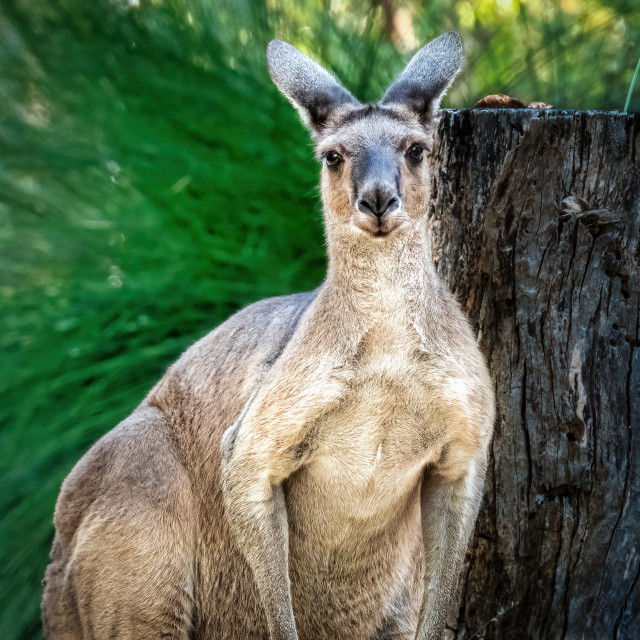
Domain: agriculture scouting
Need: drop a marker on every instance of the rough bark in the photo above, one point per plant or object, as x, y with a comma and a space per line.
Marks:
535, 224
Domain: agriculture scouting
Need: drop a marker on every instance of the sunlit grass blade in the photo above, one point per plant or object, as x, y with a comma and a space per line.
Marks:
633, 82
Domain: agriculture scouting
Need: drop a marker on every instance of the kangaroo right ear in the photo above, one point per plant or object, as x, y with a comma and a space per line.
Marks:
312, 90
427, 77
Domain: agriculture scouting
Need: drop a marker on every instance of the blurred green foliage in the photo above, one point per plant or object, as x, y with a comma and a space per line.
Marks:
152, 181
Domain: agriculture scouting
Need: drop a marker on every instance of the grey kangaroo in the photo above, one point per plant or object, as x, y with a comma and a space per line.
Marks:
313, 468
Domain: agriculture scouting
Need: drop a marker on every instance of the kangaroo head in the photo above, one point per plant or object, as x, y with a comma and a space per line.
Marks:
374, 173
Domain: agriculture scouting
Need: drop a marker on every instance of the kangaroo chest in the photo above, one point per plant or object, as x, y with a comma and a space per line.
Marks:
372, 446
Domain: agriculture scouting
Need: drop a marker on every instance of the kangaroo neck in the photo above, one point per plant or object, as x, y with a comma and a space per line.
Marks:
382, 274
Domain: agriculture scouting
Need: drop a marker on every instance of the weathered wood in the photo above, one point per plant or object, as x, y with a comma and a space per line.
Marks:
535, 225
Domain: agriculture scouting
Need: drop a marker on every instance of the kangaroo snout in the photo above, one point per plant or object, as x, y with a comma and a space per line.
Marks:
378, 200
375, 205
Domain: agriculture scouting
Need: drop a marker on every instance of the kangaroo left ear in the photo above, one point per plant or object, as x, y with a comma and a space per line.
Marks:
427, 77
312, 90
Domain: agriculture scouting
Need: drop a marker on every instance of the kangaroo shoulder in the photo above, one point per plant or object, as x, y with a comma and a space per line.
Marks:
261, 330
234, 356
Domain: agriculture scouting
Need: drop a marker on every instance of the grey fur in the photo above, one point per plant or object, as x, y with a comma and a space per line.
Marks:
312, 468
312, 90
428, 75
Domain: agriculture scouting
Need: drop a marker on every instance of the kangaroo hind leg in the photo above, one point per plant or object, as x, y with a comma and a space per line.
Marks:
121, 563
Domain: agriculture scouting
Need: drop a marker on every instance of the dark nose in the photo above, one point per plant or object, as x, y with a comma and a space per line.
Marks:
378, 200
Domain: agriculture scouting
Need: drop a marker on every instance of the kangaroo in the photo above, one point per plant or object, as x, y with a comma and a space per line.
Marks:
313, 468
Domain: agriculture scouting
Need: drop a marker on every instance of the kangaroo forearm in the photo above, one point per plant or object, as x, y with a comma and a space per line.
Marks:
308, 376
294, 394
439, 589
450, 509
261, 450
258, 519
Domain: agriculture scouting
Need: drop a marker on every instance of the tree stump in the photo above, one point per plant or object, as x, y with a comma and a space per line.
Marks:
534, 223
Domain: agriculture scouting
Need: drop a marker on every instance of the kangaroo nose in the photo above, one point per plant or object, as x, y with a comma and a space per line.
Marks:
378, 201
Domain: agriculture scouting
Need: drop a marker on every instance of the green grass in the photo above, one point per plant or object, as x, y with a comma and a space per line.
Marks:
631, 86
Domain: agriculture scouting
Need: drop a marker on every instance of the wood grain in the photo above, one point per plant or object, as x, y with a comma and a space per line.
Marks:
535, 226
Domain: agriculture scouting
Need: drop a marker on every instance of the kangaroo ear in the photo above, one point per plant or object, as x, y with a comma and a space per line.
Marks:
427, 77
312, 90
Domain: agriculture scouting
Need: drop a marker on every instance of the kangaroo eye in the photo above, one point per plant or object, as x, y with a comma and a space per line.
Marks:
415, 152
332, 158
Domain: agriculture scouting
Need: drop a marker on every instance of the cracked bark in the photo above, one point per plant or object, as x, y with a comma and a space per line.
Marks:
535, 226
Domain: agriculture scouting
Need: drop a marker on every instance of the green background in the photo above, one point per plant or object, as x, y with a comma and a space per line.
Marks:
152, 181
